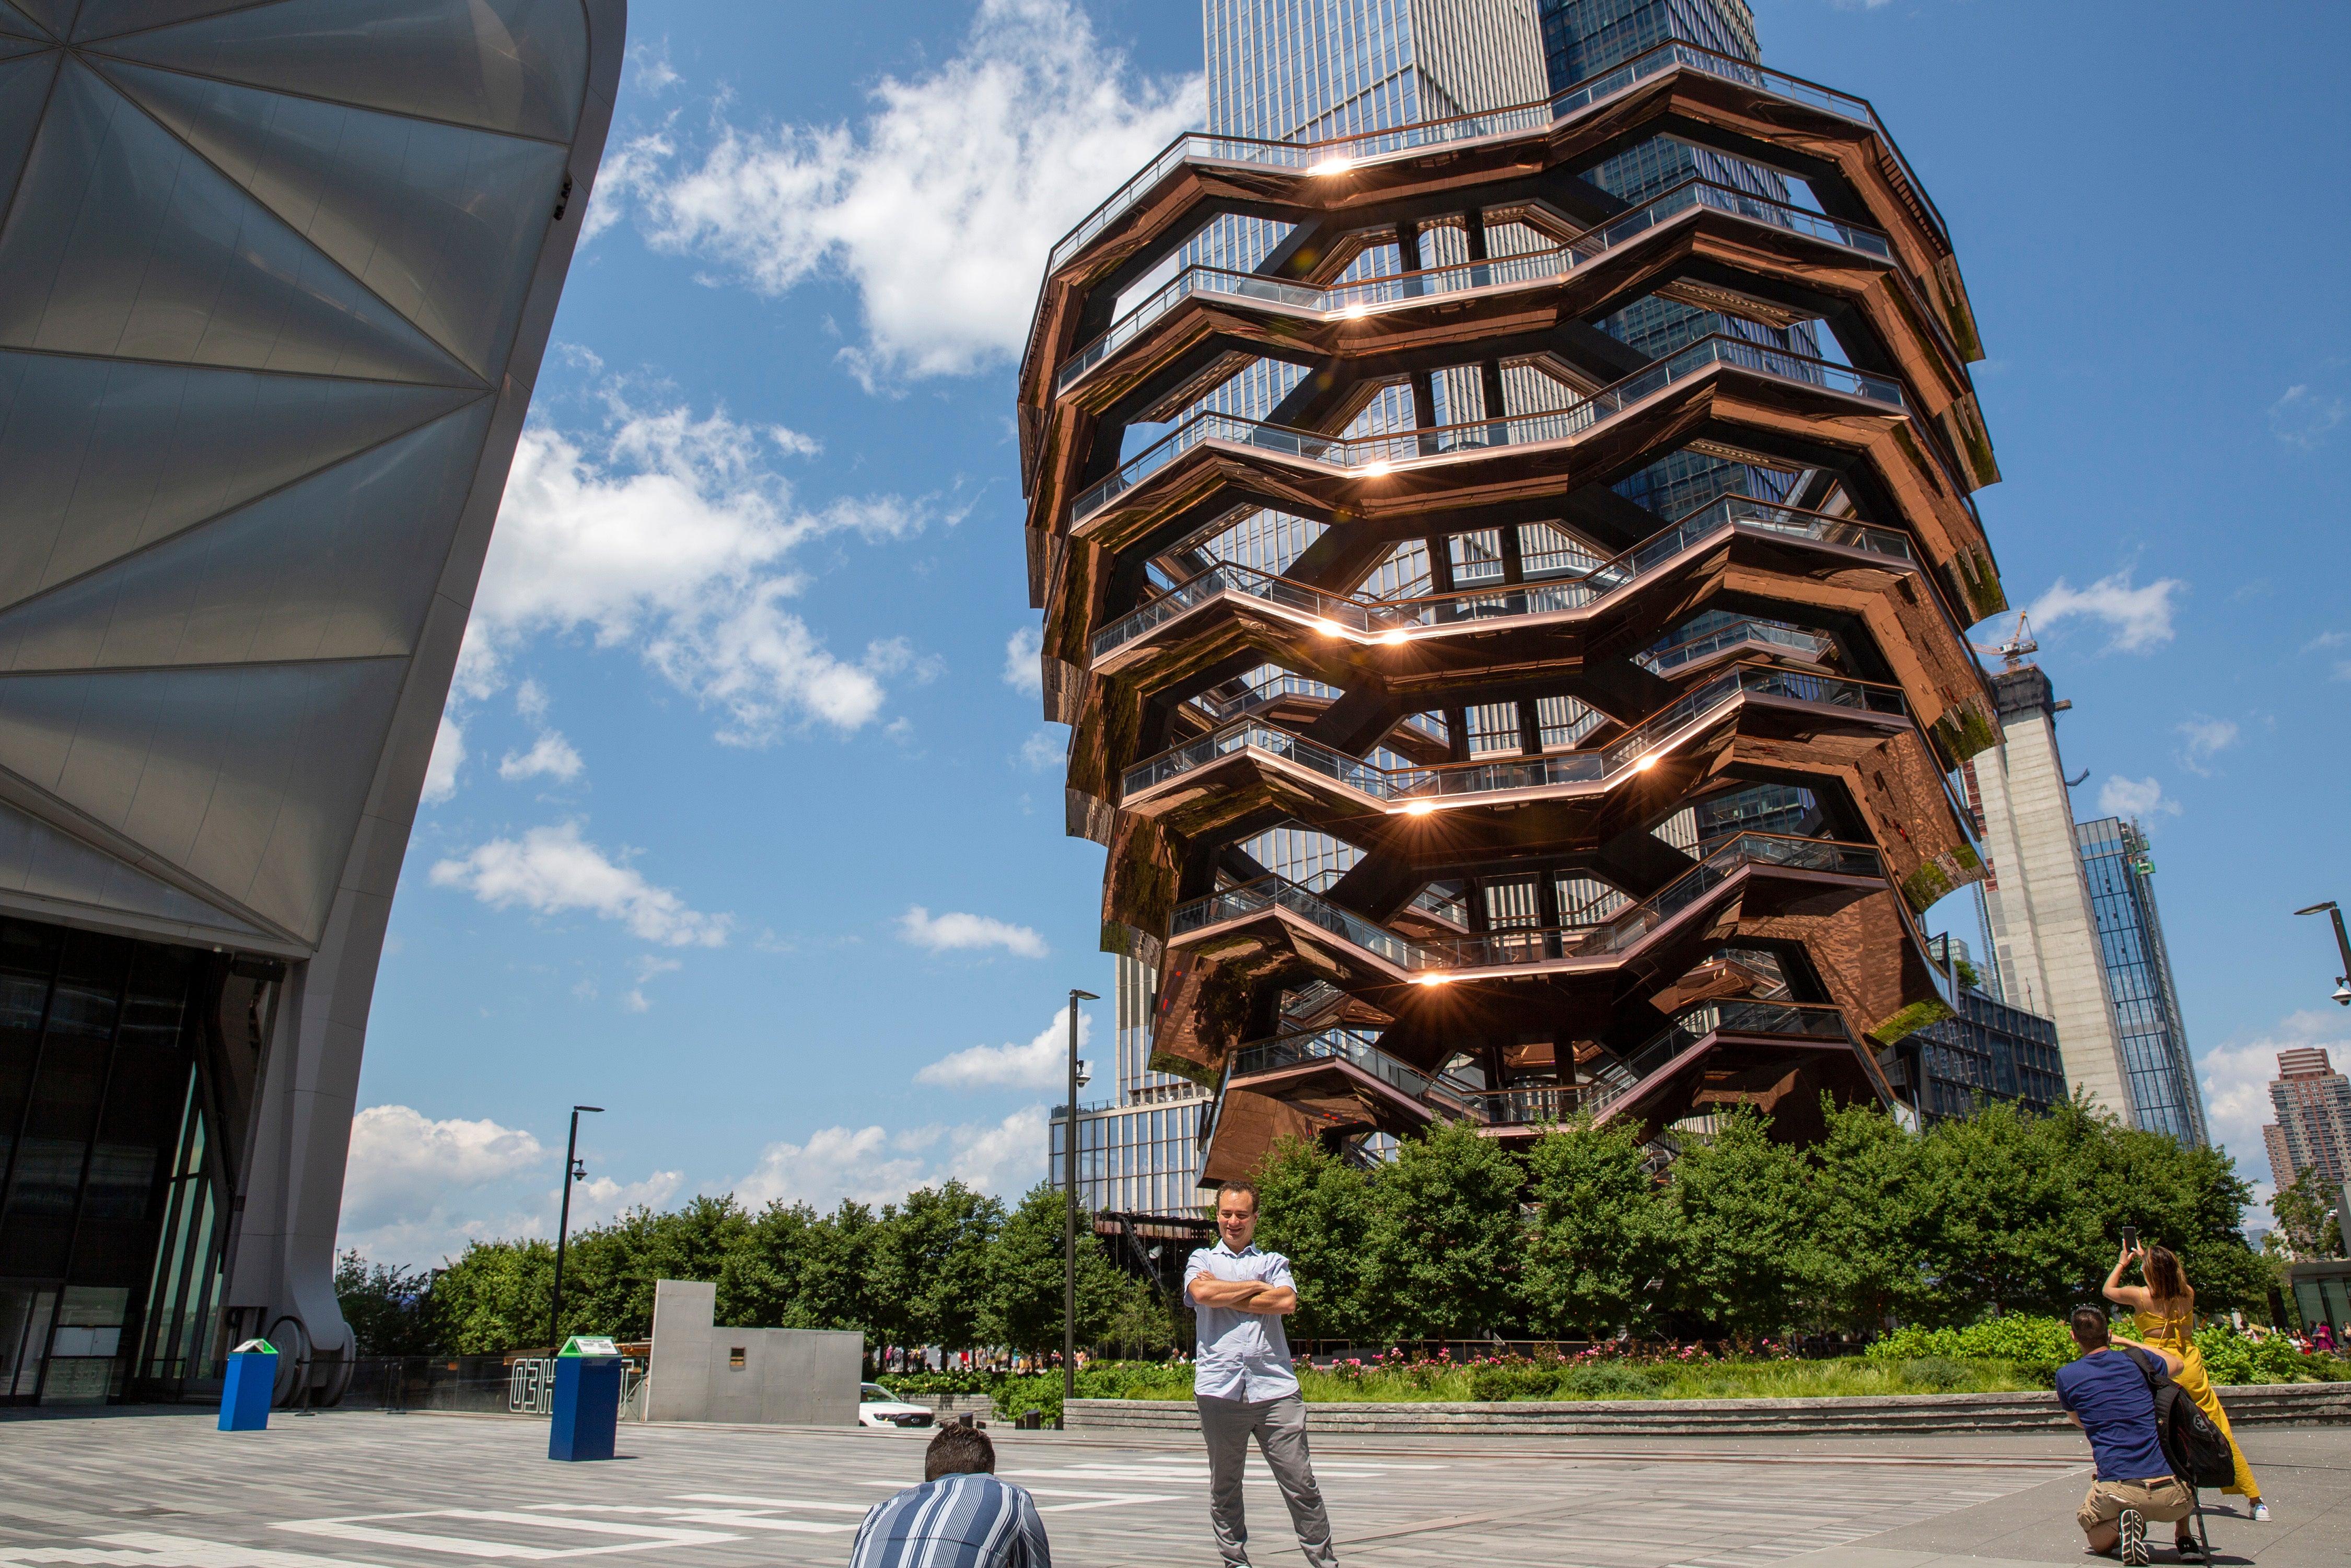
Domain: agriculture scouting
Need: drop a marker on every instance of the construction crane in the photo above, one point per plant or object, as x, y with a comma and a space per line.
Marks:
2017, 649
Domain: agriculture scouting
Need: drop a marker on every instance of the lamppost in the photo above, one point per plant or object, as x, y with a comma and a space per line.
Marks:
572, 1171
2342, 946
1069, 1219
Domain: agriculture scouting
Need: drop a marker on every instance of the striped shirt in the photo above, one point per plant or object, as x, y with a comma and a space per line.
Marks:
971, 1521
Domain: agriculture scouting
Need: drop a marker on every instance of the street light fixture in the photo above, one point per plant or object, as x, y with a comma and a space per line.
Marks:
1069, 1219
572, 1171
2342, 946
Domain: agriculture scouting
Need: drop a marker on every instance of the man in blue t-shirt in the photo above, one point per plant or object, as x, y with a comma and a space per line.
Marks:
2110, 1398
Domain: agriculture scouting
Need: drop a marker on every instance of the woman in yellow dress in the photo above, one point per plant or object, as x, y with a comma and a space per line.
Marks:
2165, 1311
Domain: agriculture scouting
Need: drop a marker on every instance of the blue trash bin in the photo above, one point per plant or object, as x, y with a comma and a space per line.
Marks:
245, 1393
587, 1399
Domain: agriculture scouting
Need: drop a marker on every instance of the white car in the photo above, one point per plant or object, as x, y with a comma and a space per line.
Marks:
877, 1406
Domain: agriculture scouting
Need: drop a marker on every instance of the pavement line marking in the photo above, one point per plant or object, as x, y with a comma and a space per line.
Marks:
180, 1552
1107, 1502
642, 1537
461, 1546
740, 1518
776, 1501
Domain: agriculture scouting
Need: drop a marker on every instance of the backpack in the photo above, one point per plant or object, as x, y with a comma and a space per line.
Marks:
2191, 1444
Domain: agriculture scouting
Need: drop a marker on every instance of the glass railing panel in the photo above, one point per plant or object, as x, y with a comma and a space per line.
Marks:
1337, 156
1362, 298
1516, 773
1503, 948
1551, 596
1562, 425
1350, 1046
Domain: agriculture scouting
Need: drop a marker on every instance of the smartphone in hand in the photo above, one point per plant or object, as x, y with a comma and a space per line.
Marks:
2130, 1236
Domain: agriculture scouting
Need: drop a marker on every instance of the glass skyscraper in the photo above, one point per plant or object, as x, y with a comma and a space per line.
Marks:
2160, 1073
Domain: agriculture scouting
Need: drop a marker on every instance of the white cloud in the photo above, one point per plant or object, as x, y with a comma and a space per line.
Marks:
1045, 749
552, 869
405, 1167
949, 933
417, 1190
873, 1165
2141, 618
670, 534
2140, 798
448, 757
1042, 1063
530, 700
1022, 672
599, 1198
2326, 640
552, 758
2304, 417
648, 968
2205, 738
940, 206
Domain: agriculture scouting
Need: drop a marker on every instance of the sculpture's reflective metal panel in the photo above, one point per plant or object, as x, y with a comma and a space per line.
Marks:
274, 284
1518, 677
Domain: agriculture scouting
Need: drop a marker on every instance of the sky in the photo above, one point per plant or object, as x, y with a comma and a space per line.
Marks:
744, 824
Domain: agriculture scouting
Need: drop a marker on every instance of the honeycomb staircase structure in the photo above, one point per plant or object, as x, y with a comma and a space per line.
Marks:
1581, 742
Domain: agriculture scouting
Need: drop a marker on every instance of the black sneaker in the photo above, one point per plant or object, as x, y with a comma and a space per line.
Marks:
2133, 1525
2190, 1550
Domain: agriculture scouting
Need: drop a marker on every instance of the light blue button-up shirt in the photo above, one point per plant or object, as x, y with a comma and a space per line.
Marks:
1242, 1355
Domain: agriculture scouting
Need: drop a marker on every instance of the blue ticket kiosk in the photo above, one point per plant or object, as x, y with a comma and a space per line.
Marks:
245, 1393
587, 1399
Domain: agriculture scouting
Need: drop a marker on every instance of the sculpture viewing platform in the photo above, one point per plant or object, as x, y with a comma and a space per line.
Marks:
1514, 631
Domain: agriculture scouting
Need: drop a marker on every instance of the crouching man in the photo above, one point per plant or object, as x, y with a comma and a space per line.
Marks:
960, 1517
2108, 1396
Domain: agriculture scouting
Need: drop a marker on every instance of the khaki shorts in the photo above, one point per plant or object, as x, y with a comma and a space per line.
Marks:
2164, 1501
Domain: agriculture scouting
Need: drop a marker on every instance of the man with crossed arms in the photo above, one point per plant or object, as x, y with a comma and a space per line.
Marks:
1242, 1381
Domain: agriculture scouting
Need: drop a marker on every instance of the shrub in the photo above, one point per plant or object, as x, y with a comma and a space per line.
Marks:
2019, 1337
1938, 1373
1603, 1381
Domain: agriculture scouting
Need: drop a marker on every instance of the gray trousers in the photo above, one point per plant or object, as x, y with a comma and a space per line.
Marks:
1280, 1426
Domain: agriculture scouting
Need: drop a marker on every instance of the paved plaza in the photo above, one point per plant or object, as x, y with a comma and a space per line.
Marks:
165, 1490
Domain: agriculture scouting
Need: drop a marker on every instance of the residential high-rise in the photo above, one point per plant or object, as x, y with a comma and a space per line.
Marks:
2313, 1119
275, 285
1519, 676
2148, 1029
2046, 946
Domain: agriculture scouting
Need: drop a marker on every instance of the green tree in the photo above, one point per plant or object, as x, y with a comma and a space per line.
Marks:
609, 1271
494, 1298
2011, 1226
833, 1288
1866, 1259
1025, 1276
384, 1304
1602, 1230
1445, 1240
1316, 1210
930, 1266
2300, 1209
760, 1283
1744, 1213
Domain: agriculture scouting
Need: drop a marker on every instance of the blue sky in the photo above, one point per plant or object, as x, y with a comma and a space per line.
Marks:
744, 824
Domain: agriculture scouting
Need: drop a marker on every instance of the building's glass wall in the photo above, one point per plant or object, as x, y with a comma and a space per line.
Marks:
1136, 1159
2118, 869
106, 1150
1990, 1051
1582, 38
